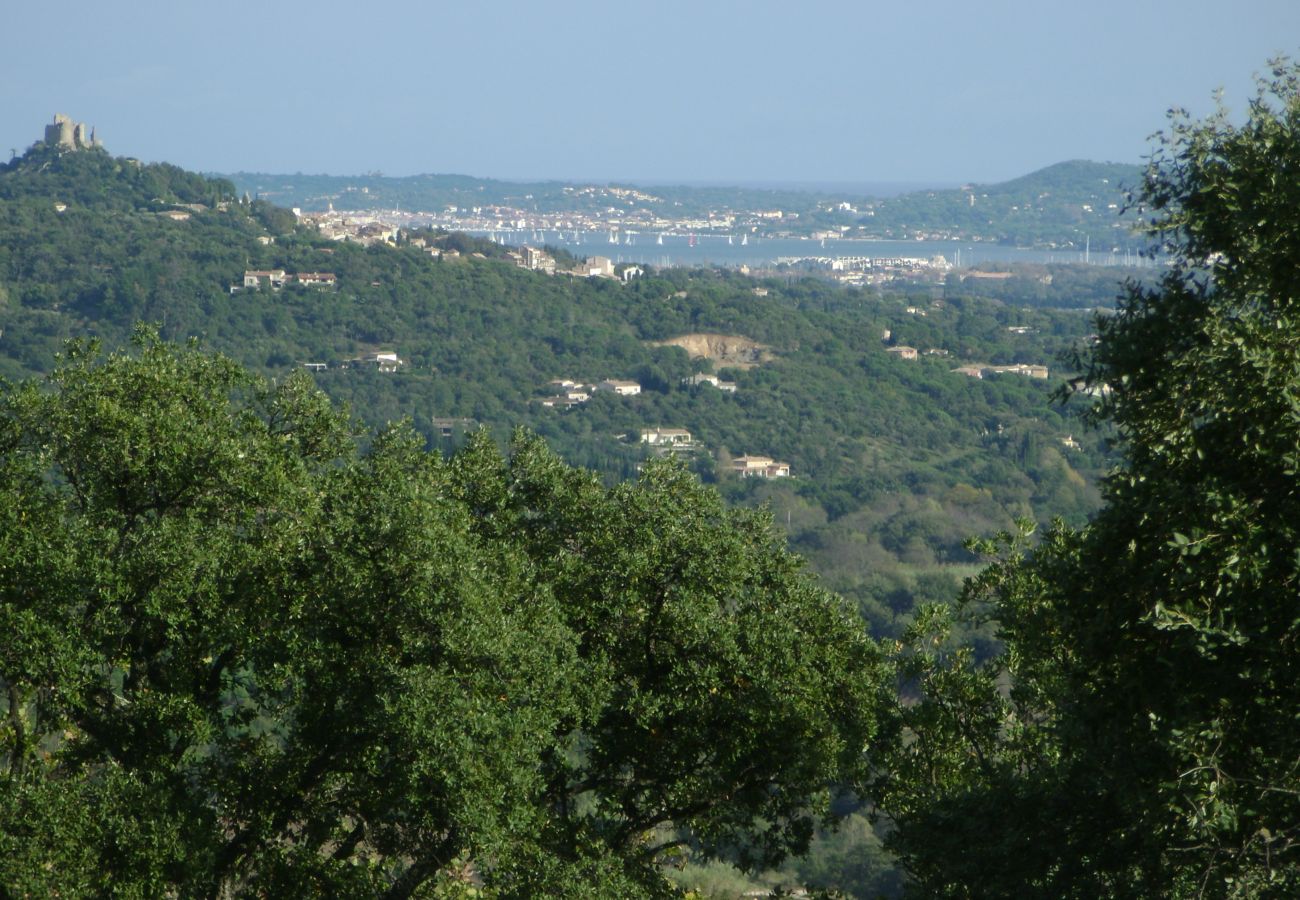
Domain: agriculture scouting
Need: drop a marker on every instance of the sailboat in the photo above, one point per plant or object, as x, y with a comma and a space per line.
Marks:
613, 237
728, 240
691, 242
660, 240
744, 240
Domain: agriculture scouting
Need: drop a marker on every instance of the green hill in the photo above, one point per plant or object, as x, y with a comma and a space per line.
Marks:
1067, 205
895, 461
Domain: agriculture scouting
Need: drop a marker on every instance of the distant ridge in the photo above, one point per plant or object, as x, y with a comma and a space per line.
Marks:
847, 188
1073, 172
1067, 204
1071, 204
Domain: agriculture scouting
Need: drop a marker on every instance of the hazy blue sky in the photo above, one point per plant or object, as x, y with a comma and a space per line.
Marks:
816, 90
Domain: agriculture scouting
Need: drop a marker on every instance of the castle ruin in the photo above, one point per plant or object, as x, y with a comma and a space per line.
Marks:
69, 135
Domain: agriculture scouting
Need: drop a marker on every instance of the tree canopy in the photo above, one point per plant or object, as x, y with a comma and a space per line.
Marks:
1147, 744
250, 650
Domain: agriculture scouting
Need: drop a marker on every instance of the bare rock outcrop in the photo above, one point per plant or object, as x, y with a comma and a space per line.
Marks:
725, 350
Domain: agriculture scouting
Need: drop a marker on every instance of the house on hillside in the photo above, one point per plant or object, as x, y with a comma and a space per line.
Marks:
566, 400
728, 387
382, 360
597, 267
565, 393
449, 428
1031, 371
272, 278
317, 279
902, 352
622, 388
759, 467
536, 260
666, 440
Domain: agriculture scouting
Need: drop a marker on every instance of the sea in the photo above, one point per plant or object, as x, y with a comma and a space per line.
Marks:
736, 250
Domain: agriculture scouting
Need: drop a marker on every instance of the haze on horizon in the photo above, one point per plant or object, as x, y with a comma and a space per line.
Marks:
934, 92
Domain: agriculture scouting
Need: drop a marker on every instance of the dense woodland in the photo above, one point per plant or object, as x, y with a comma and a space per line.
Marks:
260, 636
1147, 745
1049, 285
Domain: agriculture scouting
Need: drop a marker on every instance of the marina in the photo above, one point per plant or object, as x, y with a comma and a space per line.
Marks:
669, 248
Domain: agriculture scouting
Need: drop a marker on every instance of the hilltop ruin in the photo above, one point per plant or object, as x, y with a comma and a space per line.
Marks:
69, 135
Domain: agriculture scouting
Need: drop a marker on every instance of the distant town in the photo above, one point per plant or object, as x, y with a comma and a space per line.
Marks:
1073, 210
530, 234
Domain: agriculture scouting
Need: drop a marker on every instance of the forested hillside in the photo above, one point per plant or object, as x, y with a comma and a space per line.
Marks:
895, 461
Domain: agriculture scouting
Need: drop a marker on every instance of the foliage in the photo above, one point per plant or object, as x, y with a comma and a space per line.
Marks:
1059, 286
93, 178
245, 657
1148, 745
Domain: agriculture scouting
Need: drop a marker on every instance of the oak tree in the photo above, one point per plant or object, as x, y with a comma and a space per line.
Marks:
249, 650
1138, 736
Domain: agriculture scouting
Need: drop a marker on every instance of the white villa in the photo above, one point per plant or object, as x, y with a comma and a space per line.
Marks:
759, 467
660, 437
622, 388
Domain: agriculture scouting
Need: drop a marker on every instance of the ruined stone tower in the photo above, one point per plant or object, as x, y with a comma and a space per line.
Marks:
70, 135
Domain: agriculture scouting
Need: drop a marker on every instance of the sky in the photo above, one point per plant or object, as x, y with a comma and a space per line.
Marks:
704, 91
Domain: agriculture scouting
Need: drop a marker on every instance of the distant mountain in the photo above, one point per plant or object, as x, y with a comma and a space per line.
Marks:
1067, 205
1076, 179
